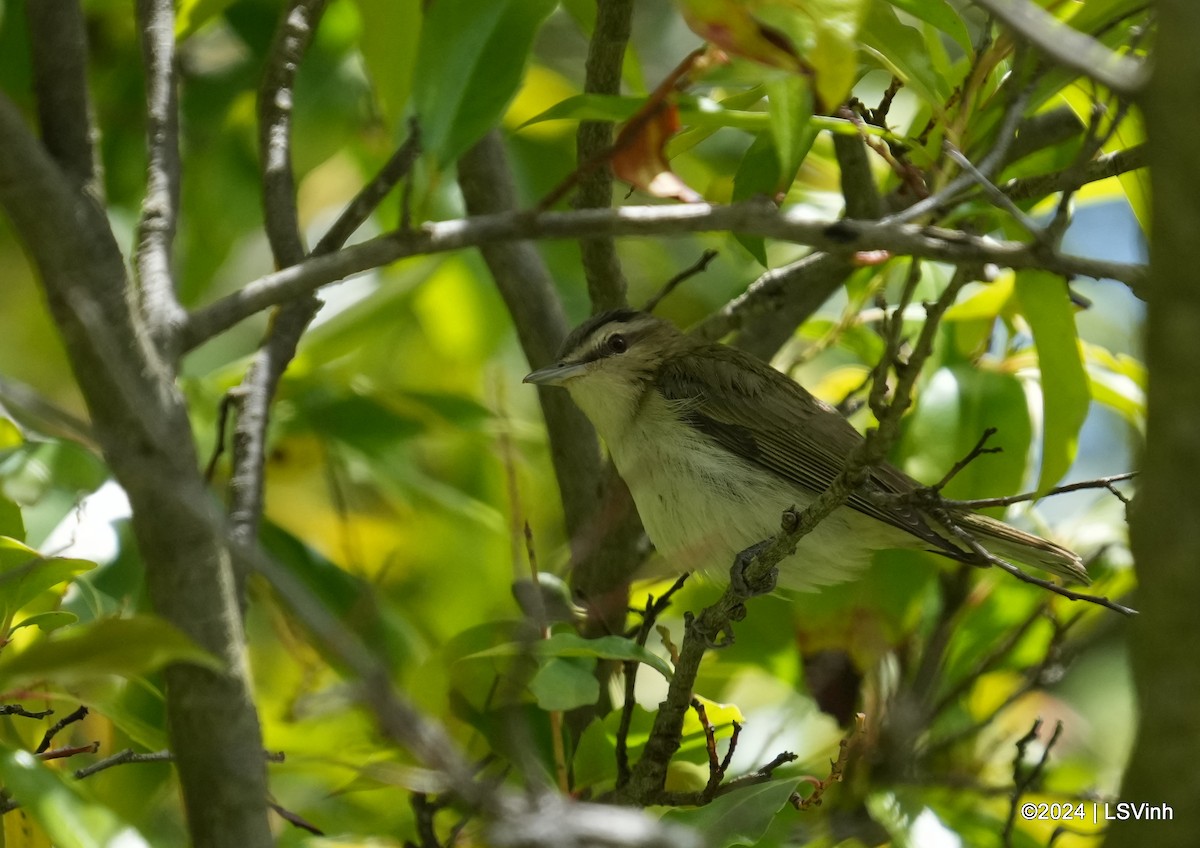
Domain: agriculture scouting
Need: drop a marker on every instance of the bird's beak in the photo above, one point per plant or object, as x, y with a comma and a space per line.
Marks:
555, 375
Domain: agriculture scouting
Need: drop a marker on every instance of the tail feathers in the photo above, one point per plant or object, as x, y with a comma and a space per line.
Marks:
1009, 543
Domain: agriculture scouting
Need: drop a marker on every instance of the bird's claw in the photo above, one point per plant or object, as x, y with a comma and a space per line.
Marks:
760, 584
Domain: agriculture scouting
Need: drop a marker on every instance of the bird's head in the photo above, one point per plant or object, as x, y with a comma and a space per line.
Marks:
609, 361
620, 346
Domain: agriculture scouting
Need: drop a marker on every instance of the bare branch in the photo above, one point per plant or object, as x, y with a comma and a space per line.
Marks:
160, 207
123, 757
253, 396
1098, 483
698, 267
1102, 167
1068, 47
606, 54
59, 35
140, 420
751, 217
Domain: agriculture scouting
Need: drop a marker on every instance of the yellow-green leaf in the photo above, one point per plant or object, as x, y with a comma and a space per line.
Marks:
1046, 305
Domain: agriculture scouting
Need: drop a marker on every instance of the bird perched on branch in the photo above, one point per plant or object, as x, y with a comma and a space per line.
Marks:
715, 444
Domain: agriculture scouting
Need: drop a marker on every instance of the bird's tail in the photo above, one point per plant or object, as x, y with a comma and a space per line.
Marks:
1009, 543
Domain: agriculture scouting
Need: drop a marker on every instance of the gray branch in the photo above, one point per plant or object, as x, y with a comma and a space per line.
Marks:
1069, 47
59, 37
606, 53
160, 207
839, 237
254, 395
141, 423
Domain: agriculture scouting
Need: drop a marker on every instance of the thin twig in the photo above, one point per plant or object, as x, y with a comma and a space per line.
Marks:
77, 715
987, 166
123, 757
698, 267
654, 608
1022, 783
997, 197
1098, 483
974, 454
946, 521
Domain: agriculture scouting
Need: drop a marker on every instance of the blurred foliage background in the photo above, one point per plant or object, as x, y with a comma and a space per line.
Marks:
406, 458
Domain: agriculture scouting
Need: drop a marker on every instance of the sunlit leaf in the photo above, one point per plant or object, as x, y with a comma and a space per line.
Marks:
47, 621
1046, 304
68, 819
25, 573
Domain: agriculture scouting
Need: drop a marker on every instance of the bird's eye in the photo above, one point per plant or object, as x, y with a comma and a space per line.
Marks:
617, 343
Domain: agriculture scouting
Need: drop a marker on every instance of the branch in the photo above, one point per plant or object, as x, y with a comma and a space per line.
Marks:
839, 237
584, 480
123, 757
253, 396
276, 97
606, 53
59, 36
1098, 483
160, 207
140, 420
1066, 46
1102, 167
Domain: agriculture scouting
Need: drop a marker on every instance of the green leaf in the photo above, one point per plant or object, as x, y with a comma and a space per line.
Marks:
565, 683
589, 107
1046, 304
791, 109
954, 408
25, 573
738, 818
466, 75
941, 15
127, 647
12, 524
390, 33
192, 14
835, 54
48, 621
758, 173
68, 819
899, 48
570, 645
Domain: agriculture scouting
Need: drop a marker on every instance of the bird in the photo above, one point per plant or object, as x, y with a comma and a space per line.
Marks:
715, 444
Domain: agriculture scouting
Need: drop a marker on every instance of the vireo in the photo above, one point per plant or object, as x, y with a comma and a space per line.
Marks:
715, 444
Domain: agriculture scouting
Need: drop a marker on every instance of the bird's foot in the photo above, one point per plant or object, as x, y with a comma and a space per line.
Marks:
749, 585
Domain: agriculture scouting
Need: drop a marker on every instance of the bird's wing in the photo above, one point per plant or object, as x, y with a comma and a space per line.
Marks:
759, 414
